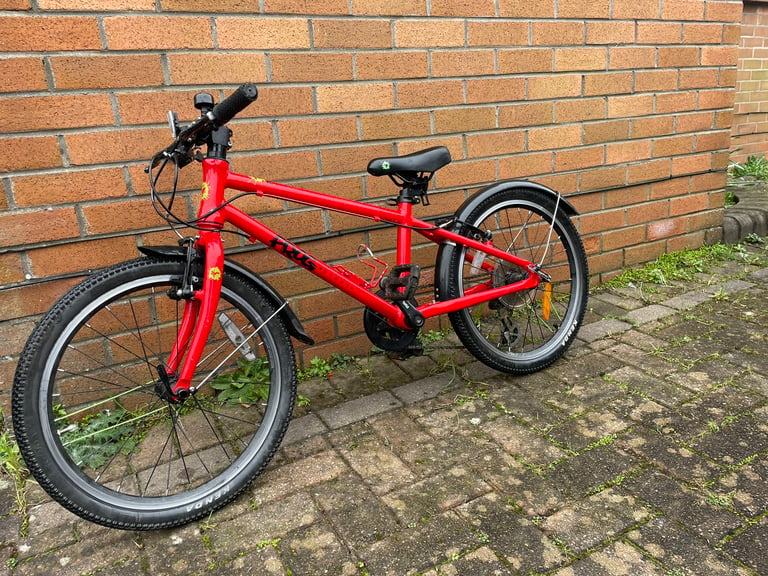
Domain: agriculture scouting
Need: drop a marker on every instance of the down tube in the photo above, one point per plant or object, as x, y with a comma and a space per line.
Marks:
258, 232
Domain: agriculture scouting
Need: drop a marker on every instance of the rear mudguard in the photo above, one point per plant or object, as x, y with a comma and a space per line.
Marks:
286, 313
446, 250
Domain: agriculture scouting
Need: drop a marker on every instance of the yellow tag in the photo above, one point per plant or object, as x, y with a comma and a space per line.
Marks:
257, 180
546, 301
205, 191
214, 273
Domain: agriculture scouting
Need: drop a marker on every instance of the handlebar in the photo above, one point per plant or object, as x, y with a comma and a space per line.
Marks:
199, 131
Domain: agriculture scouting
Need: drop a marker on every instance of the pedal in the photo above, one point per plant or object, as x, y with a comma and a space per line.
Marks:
401, 283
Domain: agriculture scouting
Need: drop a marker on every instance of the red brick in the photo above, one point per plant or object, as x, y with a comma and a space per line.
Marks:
675, 102
529, 114
635, 255
306, 132
683, 10
280, 166
650, 171
626, 152
19, 228
495, 90
396, 125
492, 33
656, 80
628, 106
31, 300
463, 63
691, 164
465, 119
355, 34
525, 165
310, 67
611, 131
428, 33
632, 57
55, 112
719, 55
151, 107
609, 83
673, 146
616, 239
304, 7
702, 33
582, 9
118, 216
81, 256
27, 153
115, 146
11, 269
607, 32
222, 6
475, 8
580, 110
526, 8
96, 5
385, 65
716, 99
695, 122
430, 94
281, 101
68, 187
689, 204
262, 33
468, 173
659, 33
354, 97
653, 126
157, 32
217, 68
726, 11
551, 87
599, 178
22, 74
387, 7
666, 228
562, 33
568, 59
350, 159
495, 144
525, 60
579, 158
14, 5
554, 137
75, 72
678, 57
48, 33
637, 10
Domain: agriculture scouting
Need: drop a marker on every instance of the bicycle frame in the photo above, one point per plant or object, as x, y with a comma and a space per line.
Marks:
200, 310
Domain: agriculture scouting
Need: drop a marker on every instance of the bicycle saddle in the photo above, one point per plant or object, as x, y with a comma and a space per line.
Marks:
429, 160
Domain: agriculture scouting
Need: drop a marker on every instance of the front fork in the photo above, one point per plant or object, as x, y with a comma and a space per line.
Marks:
199, 305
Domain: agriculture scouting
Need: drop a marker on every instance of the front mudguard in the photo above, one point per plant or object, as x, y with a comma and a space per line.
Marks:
293, 324
446, 250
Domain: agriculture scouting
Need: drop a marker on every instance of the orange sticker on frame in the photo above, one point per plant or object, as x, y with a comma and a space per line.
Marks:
546, 301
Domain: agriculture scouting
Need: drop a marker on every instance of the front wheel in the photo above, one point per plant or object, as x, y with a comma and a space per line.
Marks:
95, 426
525, 331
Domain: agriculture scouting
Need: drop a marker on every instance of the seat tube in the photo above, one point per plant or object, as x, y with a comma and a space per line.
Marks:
404, 235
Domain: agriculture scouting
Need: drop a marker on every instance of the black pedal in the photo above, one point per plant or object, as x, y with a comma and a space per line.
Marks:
402, 282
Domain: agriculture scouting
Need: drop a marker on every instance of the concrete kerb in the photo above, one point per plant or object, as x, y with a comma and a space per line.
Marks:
749, 215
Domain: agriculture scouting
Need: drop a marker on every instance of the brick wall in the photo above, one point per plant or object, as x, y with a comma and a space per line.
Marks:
750, 121
624, 105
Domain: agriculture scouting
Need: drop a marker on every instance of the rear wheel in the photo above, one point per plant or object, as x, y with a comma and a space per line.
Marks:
528, 330
95, 426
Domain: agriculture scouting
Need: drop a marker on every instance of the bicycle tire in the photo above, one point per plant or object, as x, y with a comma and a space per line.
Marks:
98, 436
525, 331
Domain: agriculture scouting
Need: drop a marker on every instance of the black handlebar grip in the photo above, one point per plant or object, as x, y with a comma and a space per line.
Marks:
235, 103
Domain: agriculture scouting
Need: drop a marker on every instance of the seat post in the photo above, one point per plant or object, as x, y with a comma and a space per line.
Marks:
404, 233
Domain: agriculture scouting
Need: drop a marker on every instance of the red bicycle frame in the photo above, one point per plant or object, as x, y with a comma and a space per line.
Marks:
200, 311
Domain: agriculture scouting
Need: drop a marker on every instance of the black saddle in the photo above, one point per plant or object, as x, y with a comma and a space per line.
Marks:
429, 160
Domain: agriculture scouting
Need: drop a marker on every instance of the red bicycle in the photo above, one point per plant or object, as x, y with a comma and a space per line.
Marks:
156, 390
